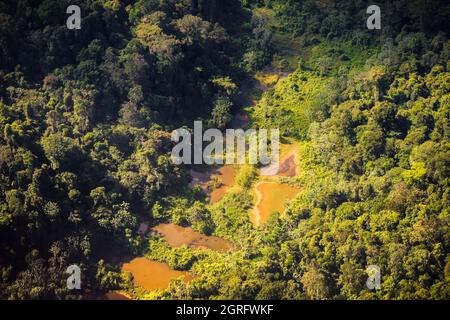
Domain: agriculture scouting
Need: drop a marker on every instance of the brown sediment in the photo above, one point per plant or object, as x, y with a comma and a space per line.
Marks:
271, 197
287, 167
226, 176
177, 236
289, 164
152, 275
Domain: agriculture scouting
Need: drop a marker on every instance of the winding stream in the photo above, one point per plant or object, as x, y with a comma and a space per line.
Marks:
270, 197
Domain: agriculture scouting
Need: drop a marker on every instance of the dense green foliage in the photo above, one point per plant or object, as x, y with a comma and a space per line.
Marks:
85, 121
84, 117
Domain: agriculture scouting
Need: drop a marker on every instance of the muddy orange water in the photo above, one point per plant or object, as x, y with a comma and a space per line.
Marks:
225, 174
152, 275
271, 197
177, 236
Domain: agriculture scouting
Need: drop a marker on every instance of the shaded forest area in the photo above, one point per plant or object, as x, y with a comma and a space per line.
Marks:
85, 121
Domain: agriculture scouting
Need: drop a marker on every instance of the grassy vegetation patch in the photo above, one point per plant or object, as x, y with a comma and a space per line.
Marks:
328, 57
290, 105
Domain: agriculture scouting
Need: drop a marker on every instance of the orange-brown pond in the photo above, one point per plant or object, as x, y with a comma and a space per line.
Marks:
271, 197
177, 236
225, 175
152, 275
